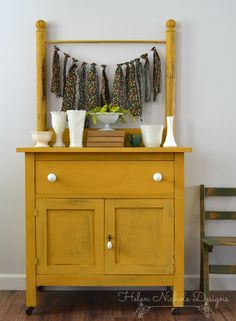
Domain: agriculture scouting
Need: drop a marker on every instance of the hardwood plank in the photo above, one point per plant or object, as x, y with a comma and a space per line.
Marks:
105, 306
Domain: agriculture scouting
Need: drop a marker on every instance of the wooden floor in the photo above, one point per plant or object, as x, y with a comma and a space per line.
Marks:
96, 305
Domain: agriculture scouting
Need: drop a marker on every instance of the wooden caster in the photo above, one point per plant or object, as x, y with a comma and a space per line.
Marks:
29, 310
175, 311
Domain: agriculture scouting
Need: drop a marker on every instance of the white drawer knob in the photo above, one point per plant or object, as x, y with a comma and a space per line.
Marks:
52, 178
109, 245
157, 177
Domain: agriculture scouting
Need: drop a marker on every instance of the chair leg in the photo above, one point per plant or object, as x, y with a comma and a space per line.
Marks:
201, 268
206, 271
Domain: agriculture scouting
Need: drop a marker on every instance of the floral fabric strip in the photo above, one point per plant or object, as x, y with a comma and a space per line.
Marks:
134, 105
139, 78
92, 87
156, 74
82, 87
66, 56
70, 88
56, 73
119, 89
147, 78
105, 93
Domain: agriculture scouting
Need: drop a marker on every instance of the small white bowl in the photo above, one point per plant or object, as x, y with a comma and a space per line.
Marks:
41, 138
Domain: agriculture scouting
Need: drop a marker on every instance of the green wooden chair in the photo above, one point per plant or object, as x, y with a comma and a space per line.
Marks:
208, 242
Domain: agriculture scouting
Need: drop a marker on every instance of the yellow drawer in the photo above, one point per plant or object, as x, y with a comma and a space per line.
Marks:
105, 177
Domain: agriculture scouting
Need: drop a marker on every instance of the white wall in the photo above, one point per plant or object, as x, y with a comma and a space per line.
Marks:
206, 111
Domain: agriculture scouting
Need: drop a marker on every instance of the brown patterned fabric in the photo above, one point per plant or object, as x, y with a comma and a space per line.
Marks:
138, 68
66, 56
92, 87
147, 78
105, 93
56, 73
82, 83
156, 74
70, 88
134, 105
119, 89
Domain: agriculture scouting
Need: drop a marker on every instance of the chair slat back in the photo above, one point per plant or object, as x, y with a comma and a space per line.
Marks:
220, 215
214, 215
220, 191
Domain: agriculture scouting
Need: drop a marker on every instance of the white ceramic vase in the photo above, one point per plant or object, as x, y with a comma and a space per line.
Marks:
152, 135
170, 140
76, 119
58, 124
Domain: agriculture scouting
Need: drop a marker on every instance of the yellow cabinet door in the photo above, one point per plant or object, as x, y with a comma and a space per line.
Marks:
70, 236
141, 232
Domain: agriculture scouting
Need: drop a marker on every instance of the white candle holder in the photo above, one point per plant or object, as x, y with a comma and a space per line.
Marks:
170, 140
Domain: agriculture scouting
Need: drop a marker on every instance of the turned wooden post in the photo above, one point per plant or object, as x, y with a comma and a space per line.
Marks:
170, 70
41, 74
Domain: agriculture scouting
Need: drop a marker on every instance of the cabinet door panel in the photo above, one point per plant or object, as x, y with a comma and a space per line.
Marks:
142, 236
70, 236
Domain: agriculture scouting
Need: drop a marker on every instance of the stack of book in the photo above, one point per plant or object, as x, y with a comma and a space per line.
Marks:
99, 138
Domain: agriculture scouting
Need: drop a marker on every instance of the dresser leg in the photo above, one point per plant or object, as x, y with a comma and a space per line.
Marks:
178, 292
31, 295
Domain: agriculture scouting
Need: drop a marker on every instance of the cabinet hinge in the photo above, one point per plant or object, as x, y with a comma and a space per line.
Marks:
35, 212
173, 260
36, 261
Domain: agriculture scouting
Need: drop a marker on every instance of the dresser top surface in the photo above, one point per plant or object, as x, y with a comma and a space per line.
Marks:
90, 150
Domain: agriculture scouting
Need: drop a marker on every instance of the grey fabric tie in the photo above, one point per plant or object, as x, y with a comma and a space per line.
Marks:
105, 93
156, 74
147, 78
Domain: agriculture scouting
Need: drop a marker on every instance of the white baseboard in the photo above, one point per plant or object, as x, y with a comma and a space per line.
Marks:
217, 282
12, 281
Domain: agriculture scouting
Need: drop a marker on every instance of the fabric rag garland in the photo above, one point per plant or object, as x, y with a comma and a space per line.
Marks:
66, 56
56, 73
105, 93
70, 87
134, 105
119, 89
80, 86
139, 78
147, 78
156, 74
92, 87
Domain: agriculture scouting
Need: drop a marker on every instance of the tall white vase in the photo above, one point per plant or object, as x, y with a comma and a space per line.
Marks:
58, 124
76, 120
170, 140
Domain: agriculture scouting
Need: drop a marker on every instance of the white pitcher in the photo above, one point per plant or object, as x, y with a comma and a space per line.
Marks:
58, 124
76, 119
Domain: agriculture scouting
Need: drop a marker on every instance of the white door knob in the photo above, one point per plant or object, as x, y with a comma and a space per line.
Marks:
109, 245
52, 178
157, 177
